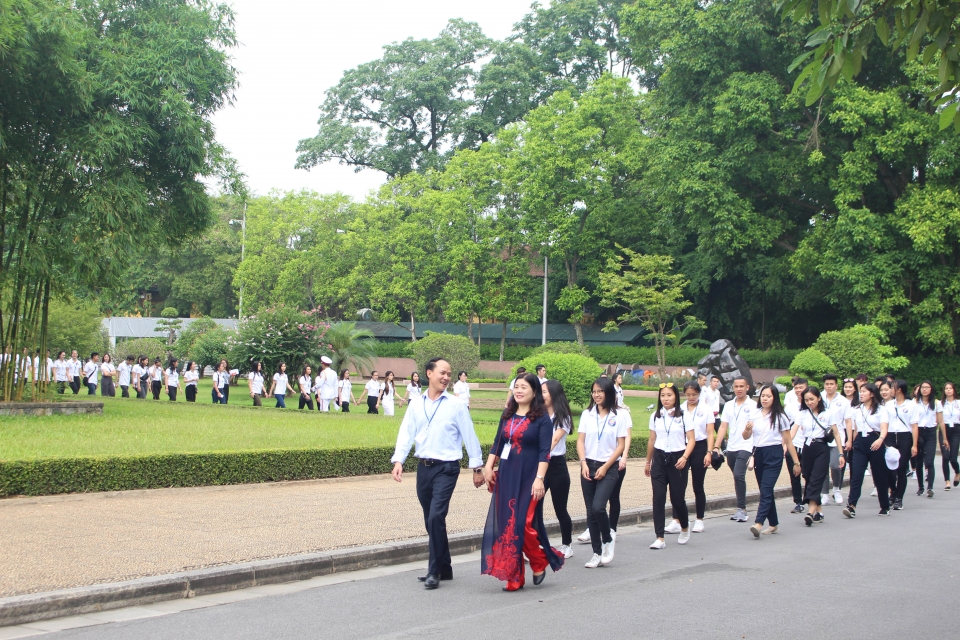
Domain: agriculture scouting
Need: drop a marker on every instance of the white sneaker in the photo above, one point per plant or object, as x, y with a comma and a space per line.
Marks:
698, 526
613, 534
874, 492
684, 537
593, 562
607, 556
673, 527
837, 496
824, 499
566, 550
658, 544
585, 536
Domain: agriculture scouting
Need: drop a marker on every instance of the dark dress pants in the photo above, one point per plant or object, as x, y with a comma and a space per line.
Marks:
926, 452
815, 466
435, 485
796, 482
950, 457
596, 494
767, 465
863, 456
557, 482
664, 475
903, 441
699, 474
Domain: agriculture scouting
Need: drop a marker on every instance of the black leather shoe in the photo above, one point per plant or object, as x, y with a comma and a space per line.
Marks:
537, 579
432, 582
442, 577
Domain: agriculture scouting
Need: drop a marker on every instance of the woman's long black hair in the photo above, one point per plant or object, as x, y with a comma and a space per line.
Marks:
609, 394
537, 407
562, 416
931, 399
814, 392
777, 415
676, 400
876, 400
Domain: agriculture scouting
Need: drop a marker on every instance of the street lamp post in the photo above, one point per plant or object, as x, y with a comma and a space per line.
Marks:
545, 268
243, 248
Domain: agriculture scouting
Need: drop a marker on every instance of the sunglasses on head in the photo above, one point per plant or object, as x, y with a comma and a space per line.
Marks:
664, 385
849, 380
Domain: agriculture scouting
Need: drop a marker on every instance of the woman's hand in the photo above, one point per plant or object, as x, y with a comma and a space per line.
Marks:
537, 491
647, 467
843, 462
585, 471
490, 477
601, 473
796, 469
913, 451
623, 463
681, 463
707, 459
876, 445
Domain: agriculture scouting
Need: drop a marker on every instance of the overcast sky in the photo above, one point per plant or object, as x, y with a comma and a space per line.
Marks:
291, 51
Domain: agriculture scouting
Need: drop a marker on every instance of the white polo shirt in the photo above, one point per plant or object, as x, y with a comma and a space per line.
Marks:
346, 388
767, 432
561, 449
90, 371
124, 370
61, 370
927, 417
736, 417
280, 384
74, 367
601, 434
697, 418
814, 427
840, 411
671, 431
951, 412
256, 382
191, 378
902, 416
373, 388
866, 422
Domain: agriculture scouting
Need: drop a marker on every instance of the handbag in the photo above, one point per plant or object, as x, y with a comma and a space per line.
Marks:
827, 433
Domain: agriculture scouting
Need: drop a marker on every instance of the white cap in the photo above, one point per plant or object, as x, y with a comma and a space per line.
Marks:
326, 360
892, 457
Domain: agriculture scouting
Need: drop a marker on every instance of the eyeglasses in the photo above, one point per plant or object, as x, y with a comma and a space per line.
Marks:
664, 385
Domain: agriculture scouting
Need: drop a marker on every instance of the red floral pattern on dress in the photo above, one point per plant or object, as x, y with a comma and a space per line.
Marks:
504, 562
519, 428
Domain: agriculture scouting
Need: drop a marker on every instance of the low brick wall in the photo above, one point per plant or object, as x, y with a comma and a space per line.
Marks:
48, 408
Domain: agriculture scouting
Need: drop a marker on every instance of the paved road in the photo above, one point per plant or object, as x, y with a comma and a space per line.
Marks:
893, 577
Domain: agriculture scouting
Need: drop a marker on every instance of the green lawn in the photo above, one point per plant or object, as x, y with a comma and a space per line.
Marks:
130, 426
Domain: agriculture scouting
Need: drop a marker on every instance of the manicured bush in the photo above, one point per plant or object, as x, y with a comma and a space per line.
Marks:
769, 359
394, 349
562, 347
153, 348
459, 351
851, 352
491, 351
812, 363
575, 372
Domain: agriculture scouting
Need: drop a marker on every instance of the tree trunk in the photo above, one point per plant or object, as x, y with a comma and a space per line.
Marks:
413, 328
503, 339
579, 329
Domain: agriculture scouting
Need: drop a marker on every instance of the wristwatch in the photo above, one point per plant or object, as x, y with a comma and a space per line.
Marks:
478, 470
539, 477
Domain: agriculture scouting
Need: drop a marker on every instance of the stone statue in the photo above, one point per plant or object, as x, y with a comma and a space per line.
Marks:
725, 363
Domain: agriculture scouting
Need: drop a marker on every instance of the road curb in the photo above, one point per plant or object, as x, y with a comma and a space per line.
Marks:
102, 597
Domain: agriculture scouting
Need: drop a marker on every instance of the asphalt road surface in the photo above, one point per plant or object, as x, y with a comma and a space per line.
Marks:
873, 577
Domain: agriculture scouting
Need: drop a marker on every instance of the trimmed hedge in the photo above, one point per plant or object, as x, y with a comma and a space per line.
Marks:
118, 473
682, 357
937, 369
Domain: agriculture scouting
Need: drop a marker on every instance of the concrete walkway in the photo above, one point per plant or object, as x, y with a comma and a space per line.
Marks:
75, 540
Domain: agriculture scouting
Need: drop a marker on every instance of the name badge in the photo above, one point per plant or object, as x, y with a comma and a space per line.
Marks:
506, 452
421, 437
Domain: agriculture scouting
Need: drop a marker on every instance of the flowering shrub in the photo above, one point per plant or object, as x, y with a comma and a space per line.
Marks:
279, 334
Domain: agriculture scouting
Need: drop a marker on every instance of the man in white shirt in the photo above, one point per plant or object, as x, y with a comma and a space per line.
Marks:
839, 414
542, 373
736, 414
326, 384
124, 378
441, 427
74, 368
90, 371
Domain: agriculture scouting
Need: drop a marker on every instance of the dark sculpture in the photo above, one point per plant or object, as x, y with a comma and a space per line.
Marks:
725, 363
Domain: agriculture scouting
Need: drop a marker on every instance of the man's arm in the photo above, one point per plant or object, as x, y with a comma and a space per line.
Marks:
469, 436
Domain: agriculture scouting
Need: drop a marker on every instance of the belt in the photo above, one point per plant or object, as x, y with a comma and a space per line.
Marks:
922, 428
820, 440
429, 462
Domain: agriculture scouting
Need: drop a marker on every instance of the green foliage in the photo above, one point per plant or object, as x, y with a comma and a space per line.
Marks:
575, 372
169, 324
275, 335
937, 369
459, 351
859, 350
152, 348
350, 347
210, 347
786, 381
75, 325
812, 363
394, 349
562, 347
189, 335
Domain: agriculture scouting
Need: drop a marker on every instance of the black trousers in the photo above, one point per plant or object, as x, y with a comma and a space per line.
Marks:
903, 441
814, 466
75, 385
306, 401
796, 482
596, 494
699, 473
664, 475
435, 485
345, 406
863, 456
107, 387
372, 404
950, 457
926, 453
124, 391
191, 391
615, 498
155, 387
557, 482
61, 387
768, 464
172, 393
142, 391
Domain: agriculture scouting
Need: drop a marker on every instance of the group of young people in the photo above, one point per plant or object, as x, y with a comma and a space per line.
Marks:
852, 423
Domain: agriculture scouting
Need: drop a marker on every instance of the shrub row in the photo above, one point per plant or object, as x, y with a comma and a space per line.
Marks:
119, 473
682, 357
937, 369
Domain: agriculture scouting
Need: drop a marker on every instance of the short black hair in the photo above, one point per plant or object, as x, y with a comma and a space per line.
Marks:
797, 381
521, 371
831, 376
431, 364
541, 366
94, 354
